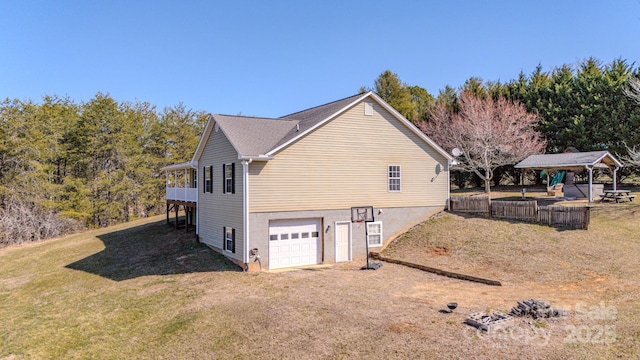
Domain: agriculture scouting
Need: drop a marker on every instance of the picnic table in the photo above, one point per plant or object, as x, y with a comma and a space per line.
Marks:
617, 195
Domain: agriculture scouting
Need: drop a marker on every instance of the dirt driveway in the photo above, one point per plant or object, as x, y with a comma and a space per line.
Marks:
394, 312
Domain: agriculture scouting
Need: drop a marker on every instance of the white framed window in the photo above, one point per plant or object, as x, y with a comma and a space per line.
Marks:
230, 239
228, 185
394, 176
208, 179
374, 233
368, 109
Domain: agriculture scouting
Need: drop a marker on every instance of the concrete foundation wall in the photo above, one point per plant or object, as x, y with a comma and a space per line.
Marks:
395, 221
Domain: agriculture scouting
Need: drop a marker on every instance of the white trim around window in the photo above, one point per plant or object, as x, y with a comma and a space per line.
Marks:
229, 241
368, 108
394, 177
228, 176
374, 233
208, 179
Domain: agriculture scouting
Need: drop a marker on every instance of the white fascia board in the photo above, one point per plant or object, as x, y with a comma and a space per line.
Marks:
255, 157
409, 124
618, 163
553, 166
274, 151
549, 166
180, 166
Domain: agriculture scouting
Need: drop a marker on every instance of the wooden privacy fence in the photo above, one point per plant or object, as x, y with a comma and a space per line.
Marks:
474, 204
574, 217
577, 217
515, 210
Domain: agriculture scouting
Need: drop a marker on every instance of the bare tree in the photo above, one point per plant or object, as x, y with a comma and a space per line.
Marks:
633, 159
488, 133
633, 90
21, 222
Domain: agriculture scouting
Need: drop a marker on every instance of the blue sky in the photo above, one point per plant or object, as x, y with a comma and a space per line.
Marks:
272, 58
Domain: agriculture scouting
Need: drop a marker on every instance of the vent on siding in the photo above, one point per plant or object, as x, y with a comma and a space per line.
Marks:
368, 109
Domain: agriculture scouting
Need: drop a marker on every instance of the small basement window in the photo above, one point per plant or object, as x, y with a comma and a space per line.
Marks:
230, 239
374, 233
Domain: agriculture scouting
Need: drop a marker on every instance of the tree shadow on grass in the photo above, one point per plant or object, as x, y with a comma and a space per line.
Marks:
151, 249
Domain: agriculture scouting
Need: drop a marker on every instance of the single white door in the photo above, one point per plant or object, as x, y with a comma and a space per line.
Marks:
343, 241
294, 243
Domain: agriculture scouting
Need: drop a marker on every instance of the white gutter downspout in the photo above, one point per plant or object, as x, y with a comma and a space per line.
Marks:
615, 180
245, 209
450, 163
449, 185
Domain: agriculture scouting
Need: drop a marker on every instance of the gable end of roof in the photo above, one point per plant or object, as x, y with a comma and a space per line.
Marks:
262, 138
341, 106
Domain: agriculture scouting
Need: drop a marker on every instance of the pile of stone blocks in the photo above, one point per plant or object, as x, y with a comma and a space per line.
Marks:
490, 322
537, 309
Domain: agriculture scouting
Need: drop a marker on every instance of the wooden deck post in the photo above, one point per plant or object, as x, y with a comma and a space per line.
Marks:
177, 208
187, 211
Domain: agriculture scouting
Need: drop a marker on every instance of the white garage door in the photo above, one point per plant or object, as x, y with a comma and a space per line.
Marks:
294, 243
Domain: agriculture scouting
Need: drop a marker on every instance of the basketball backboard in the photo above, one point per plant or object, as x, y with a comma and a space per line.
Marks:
362, 214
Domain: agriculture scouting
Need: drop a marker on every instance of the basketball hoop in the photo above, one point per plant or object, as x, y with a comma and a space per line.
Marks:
360, 214
364, 214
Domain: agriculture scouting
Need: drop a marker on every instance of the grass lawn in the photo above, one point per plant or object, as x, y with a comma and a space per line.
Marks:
143, 290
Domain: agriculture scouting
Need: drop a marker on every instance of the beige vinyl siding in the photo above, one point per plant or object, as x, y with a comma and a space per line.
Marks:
217, 210
344, 163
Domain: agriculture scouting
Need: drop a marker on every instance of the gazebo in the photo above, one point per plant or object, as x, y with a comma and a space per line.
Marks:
574, 161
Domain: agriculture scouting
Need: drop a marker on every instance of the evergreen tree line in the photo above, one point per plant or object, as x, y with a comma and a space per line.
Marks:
65, 165
584, 106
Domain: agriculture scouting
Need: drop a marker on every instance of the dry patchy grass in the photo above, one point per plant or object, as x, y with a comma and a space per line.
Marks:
141, 290
567, 267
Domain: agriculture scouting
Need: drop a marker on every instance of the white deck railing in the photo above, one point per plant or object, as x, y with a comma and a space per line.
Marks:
182, 194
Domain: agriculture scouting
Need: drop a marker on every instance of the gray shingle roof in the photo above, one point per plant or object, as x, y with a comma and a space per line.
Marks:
322, 111
578, 159
252, 136
309, 118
